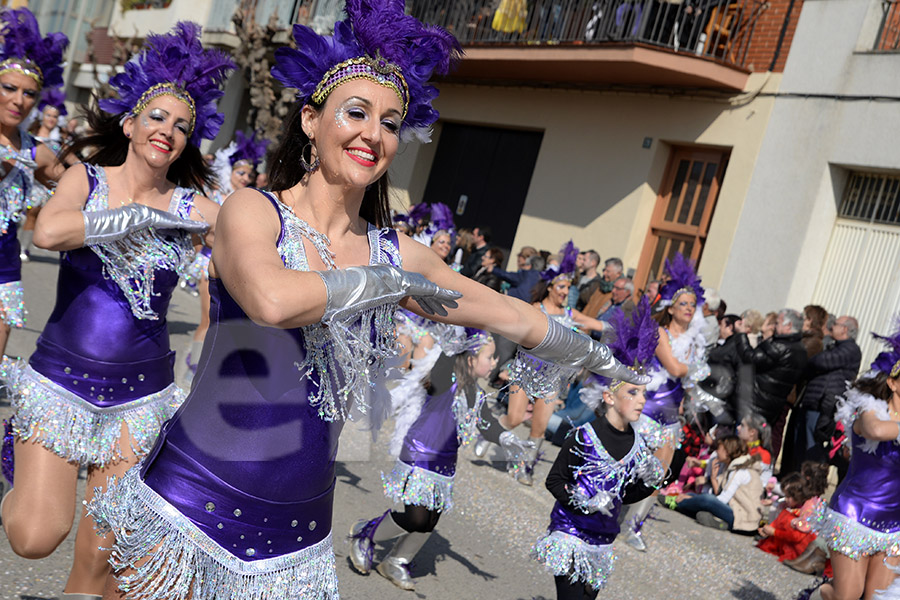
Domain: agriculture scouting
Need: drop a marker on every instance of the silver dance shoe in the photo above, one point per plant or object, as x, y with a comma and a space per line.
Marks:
360, 548
634, 539
481, 447
396, 570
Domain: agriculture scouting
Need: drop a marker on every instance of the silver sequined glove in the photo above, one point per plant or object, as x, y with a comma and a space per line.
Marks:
356, 289
516, 449
568, 348
600, 502
103, 226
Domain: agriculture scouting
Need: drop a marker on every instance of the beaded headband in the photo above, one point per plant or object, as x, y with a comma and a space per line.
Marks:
165, 89
895, 371
375, 69
24, 66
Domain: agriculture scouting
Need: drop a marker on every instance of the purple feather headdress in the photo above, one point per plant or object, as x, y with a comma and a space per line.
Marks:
379, 42
682, 278
418, 213
54, 97
442, 218
568, 257
174, 64
635, 340
889, 360
25, 51
249, 149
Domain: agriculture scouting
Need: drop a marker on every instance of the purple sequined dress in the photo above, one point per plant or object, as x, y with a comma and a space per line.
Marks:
235, 501
103, 358
578, 544
17, 187
863, 517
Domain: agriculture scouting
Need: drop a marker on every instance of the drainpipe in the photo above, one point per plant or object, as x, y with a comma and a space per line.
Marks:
784, 26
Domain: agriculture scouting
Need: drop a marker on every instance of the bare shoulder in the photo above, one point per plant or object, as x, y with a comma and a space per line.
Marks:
204, 209
248, 208
416, 256
74, 180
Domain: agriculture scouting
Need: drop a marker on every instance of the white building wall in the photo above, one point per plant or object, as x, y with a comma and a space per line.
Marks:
810, 143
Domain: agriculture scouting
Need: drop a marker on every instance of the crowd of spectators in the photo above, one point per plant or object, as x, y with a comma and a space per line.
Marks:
767, 456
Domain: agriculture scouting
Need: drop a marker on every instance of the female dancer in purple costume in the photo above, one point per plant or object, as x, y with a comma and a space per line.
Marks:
27, 63
427, 438
235, 168
100, 383
601, 466
550, 296
235, 501
861, 524
680, 363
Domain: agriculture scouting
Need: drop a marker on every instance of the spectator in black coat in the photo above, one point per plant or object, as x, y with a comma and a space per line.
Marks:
778, 364
828, 373
481, 237
492, 258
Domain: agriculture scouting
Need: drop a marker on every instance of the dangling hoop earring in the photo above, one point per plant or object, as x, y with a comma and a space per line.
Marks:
307, 166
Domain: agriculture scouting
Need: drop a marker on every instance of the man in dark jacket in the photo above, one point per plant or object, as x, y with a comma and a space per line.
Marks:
521, 282
827, 373
482, 239
778, 364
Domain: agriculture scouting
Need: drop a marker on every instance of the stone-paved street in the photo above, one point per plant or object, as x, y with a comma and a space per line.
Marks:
480, 549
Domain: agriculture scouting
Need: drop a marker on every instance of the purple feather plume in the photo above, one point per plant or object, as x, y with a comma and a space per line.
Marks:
635, 339
886, 360
419, 213
568, 257
177, 57
442, 218
372, 28
22, 39
251, 149
681, 275
54, 97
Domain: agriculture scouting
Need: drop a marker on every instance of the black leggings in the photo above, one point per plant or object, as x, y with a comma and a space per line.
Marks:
416, 518
566, 590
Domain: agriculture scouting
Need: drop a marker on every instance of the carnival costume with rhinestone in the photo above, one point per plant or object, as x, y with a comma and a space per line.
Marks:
660, 424
23, 51
103, 358
235, 502
578, 543
863, 516
538, 378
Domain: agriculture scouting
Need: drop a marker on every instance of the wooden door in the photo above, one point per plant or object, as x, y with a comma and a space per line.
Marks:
684, 209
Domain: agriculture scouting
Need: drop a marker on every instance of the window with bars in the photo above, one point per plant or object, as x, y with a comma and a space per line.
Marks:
872, 197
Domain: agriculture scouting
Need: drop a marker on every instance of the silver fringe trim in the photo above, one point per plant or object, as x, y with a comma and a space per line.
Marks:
853, 404
17, 187
197, 271
75, 429
418, 487
132, 261
565, 554
12, 303
538, 378
850, 537
609, 474
657, 435
468, 420
183, 562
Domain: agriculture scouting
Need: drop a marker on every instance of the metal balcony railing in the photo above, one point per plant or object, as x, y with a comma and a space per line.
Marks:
889, 33
720, 29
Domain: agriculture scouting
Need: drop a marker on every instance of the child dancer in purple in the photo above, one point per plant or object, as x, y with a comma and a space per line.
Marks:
601, 466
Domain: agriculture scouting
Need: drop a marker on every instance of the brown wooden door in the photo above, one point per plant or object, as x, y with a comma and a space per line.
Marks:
684, 209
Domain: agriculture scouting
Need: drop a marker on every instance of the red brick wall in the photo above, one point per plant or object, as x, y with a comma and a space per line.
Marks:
769, 22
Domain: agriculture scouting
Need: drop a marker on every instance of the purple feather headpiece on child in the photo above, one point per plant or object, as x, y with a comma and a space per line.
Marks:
379, 42
174, 64
25, 51
442, 219
248, 149
682, 279
54, 97
634, 345
889, 360
568, 257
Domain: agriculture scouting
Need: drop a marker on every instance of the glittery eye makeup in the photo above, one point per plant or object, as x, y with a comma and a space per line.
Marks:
340, 116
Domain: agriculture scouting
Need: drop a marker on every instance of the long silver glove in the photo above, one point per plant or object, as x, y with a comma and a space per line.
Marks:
515, 448
103, 226
356, 289
568, 348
